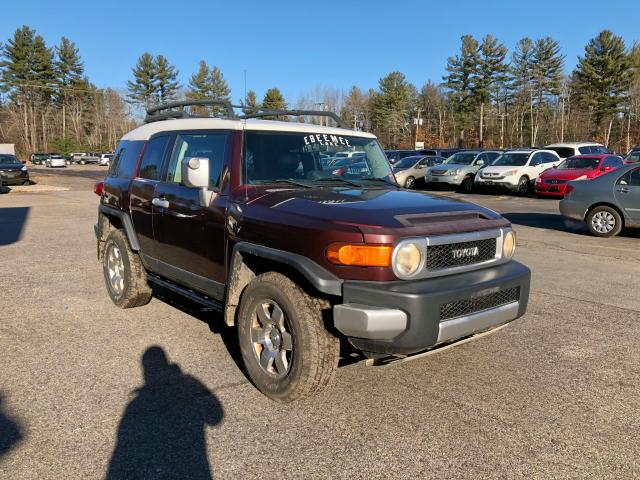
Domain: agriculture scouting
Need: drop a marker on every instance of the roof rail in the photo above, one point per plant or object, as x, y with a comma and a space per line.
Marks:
296, 113
170, 110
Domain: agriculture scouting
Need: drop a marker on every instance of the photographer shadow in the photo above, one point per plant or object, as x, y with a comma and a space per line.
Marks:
162, 431
10, 433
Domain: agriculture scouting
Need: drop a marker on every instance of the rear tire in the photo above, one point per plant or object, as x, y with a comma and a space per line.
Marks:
82, 162
124, 274
285, 347
604, 222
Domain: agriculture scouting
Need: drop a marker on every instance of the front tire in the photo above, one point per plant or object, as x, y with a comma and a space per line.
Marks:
124, 274
523, 186
604, 222
410, 183
285, 347
467, 185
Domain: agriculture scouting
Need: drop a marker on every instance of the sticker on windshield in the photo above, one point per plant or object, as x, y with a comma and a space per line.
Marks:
327, 140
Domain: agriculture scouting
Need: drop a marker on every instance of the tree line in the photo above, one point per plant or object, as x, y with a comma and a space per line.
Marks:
489, 97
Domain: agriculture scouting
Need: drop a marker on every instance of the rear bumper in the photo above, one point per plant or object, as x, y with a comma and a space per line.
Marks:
408, 317
573, 210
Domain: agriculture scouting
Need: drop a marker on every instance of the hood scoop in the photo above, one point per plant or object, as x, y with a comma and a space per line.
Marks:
423, 219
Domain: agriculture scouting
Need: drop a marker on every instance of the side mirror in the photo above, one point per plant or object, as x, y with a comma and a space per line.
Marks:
605, 168
480, 162
195, 174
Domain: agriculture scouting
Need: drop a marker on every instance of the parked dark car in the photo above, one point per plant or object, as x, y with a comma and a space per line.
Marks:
239, 215
13, 171
38, 158
607, 203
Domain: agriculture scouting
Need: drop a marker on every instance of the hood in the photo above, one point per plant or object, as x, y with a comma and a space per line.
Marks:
365, 208
11, 166
448, 166
567, 174
499, 168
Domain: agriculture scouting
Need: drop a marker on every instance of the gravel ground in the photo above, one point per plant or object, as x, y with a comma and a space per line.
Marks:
87, 390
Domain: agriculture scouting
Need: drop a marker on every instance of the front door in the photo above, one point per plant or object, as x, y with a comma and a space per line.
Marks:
190, 237
627, 194
142, 193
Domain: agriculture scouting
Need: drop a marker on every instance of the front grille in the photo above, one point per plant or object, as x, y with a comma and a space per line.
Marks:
438, 172
459, 254
470, 306
554, 181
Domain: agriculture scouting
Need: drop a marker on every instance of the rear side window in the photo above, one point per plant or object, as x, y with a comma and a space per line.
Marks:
549, 158
631, 178
151, 164
211, 146
564, 152
125, 160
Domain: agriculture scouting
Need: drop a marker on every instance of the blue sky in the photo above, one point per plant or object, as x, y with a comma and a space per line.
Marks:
298, 45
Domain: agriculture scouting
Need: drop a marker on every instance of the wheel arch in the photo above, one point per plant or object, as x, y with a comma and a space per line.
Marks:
250, 260
605, 204
110, 217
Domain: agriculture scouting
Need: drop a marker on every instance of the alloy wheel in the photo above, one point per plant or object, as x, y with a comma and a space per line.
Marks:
115, 270
271, 340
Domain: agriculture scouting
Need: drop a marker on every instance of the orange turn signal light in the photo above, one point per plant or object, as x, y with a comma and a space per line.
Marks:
360, 255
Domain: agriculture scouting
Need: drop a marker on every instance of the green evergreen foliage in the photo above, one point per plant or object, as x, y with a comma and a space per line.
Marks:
143, 87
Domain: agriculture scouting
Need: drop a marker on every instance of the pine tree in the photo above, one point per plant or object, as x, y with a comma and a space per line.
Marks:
273, 100
69, 75
460, 82
491, 75
603, 76
392, 106
219, 90
166, 80
199, 85
250, 104
143, 89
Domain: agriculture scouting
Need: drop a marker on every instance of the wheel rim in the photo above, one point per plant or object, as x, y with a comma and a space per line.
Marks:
523, 186
409, 183
603, 222
115, 270
271, 341
467, 185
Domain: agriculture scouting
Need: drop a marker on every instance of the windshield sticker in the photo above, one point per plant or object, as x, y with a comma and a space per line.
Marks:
327, 140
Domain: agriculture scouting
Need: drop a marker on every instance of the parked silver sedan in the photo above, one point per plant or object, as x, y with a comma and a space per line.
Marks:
607, 203
410, 170
55, 161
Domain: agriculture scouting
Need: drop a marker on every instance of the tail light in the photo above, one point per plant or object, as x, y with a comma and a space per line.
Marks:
97, 188
569, 189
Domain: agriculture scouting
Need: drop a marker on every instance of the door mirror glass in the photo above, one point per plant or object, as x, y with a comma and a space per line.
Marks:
480, 162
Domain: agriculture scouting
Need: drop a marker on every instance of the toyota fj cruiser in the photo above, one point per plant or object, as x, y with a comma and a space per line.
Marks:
237, 213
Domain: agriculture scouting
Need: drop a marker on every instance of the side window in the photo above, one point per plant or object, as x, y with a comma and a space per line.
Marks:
631, 178
549, 158
211, 146
114, 167
491, 156
151, 164
537, 159
424, 161
481, 158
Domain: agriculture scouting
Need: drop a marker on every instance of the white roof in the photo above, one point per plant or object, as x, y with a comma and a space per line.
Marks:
530, 150
147, 130
573, 144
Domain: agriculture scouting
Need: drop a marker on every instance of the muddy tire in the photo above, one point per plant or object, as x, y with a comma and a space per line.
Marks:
286, 350
124, 274
523, 186
604, 222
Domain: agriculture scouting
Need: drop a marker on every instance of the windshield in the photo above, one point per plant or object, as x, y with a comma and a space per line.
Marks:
8, 159
571, 163
406, 162
275, 156
461, 158
511, 160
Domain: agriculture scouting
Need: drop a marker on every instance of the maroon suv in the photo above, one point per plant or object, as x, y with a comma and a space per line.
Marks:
239, 215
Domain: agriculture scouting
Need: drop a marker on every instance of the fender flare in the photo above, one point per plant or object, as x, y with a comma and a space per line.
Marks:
240, 274
125, 220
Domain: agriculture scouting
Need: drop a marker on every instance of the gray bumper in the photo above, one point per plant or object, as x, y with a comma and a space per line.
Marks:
406, 317
571, 209
453, 180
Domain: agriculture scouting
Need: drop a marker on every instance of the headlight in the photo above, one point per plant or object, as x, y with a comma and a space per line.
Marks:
407, 258
538, 180
509, 244
24, 169
510, 172
454, 172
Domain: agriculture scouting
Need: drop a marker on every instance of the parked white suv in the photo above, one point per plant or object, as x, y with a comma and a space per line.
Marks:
570, 149
517, 170
105, 159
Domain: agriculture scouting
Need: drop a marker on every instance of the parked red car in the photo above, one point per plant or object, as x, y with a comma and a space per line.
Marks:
553, 182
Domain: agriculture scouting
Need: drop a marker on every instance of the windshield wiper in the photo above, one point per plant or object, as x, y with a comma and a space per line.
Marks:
292, 182
339, 178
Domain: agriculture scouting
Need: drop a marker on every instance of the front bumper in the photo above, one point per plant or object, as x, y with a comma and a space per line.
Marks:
555, 190
452, 180
500, 183
14, 179
406, 317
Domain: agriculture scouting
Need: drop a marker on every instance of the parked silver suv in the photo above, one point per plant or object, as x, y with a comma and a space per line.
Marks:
459, 169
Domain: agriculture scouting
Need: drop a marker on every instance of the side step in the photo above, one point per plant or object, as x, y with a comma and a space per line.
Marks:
185, 292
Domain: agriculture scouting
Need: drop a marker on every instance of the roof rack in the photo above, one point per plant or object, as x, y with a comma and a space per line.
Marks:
180, 109
297, 113
170, 110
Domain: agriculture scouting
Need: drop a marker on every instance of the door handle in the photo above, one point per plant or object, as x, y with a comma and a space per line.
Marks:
623, 190
160, 202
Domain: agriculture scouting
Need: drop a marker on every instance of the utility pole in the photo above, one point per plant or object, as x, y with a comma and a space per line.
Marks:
417, 122
321, 106
481, 124
502, 115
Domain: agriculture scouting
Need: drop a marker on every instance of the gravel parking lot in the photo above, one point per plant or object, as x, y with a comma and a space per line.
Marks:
84, 392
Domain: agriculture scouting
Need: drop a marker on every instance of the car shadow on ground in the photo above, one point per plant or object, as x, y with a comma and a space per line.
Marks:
229, 335
10, 432
12, 223
162, 431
